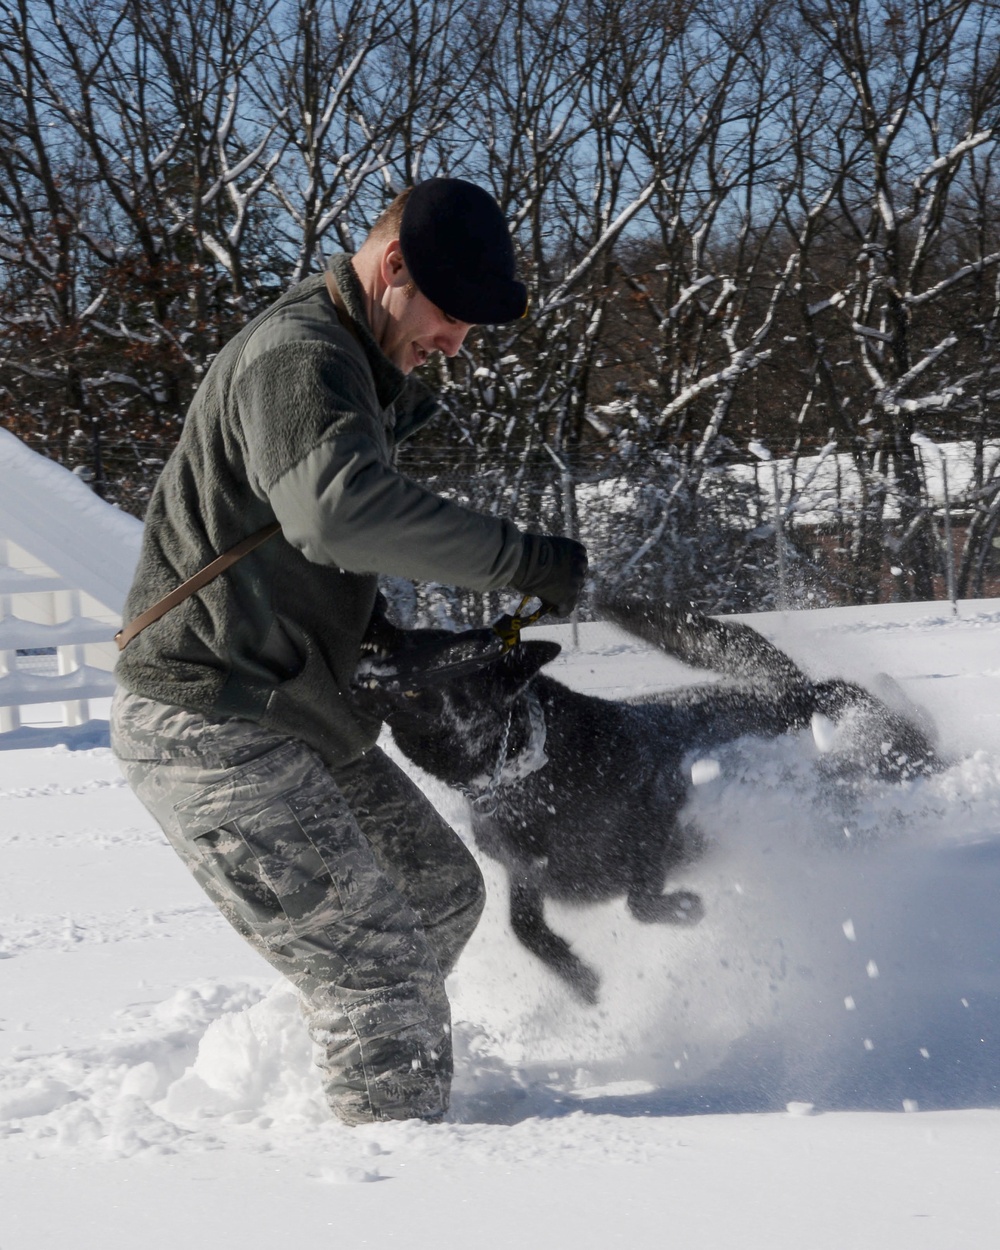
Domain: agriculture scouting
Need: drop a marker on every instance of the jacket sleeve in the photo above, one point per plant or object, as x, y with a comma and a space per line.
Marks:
317, 449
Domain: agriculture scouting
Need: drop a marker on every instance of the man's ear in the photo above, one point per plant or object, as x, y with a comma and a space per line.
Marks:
394, 271
523, 661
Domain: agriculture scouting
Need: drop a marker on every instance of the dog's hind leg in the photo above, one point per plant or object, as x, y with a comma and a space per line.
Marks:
885, 742
528, 922
678, 907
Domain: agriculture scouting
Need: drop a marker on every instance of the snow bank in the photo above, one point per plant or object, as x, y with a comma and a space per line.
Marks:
49, 512
825, 485
849, 962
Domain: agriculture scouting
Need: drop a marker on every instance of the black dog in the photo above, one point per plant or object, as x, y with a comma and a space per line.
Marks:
578, 797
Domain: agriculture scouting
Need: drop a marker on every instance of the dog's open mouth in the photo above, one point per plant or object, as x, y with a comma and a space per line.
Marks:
428, 663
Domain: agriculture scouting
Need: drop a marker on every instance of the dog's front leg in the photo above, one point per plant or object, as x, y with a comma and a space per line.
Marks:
528, 922
647, 870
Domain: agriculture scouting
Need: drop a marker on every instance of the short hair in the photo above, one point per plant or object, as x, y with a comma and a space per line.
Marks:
388, 224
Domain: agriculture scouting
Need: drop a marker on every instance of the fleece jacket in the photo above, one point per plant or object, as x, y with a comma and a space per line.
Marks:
296, 422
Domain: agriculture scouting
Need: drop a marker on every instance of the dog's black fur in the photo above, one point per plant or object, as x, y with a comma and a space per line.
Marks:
600, 818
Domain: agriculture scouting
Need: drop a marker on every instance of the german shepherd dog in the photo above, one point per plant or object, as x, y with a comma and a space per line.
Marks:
579, 797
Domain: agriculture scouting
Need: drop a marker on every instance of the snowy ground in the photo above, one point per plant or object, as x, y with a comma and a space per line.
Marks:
817, 1065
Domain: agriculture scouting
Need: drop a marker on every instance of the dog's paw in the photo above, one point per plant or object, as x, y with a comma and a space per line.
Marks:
681, 907
584, 982
686, 907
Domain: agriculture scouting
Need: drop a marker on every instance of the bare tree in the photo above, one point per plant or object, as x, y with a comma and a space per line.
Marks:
910, 95
121, 142
770, 219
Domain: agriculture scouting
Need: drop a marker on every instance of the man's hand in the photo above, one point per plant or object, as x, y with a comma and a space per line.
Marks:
553, 569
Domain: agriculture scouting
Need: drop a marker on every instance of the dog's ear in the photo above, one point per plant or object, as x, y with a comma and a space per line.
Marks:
523, 661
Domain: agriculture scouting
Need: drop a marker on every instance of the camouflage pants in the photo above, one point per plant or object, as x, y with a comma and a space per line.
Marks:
347, 881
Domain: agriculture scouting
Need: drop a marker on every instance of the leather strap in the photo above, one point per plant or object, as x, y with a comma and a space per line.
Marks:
193, 584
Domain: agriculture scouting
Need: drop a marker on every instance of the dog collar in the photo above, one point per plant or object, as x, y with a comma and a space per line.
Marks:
507, 772
531, 756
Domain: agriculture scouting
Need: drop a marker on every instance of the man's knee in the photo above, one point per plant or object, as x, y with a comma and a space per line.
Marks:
472, 902
452, 919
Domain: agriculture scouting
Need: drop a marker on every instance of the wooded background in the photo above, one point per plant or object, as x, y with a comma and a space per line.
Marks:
773, 222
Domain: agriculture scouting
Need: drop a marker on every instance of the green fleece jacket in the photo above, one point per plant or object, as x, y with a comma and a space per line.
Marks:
295, 421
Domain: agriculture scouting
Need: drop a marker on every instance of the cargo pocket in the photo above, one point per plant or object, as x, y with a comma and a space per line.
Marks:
363, 887
401, 1013
249, 850
405, 1054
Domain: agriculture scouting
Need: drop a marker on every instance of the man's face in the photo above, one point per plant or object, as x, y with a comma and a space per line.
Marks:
413, 327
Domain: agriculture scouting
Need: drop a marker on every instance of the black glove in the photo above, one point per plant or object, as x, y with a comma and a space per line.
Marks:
553, 569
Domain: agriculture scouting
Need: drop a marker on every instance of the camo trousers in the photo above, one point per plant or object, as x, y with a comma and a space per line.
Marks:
347, 881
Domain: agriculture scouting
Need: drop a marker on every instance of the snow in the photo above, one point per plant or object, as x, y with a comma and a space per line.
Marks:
49, 512
816, 1064
826, 483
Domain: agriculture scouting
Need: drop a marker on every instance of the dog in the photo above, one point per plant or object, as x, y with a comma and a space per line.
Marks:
579, 797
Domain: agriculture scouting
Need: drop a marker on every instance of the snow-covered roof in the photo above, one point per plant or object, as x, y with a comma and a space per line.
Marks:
50, 513
827, 485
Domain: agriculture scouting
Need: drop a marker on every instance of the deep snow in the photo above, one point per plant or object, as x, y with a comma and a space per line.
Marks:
816, 1065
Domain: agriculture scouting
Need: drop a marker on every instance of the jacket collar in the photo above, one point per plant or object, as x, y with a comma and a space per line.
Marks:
389, 381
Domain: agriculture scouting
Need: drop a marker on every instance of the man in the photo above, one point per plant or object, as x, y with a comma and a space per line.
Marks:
234, 721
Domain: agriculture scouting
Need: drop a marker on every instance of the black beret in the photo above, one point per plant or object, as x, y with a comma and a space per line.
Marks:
457, 247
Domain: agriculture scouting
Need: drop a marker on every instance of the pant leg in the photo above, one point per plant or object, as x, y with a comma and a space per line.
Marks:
273, 841
420, 852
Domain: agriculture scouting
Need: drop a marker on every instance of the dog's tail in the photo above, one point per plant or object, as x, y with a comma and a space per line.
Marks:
726, 647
